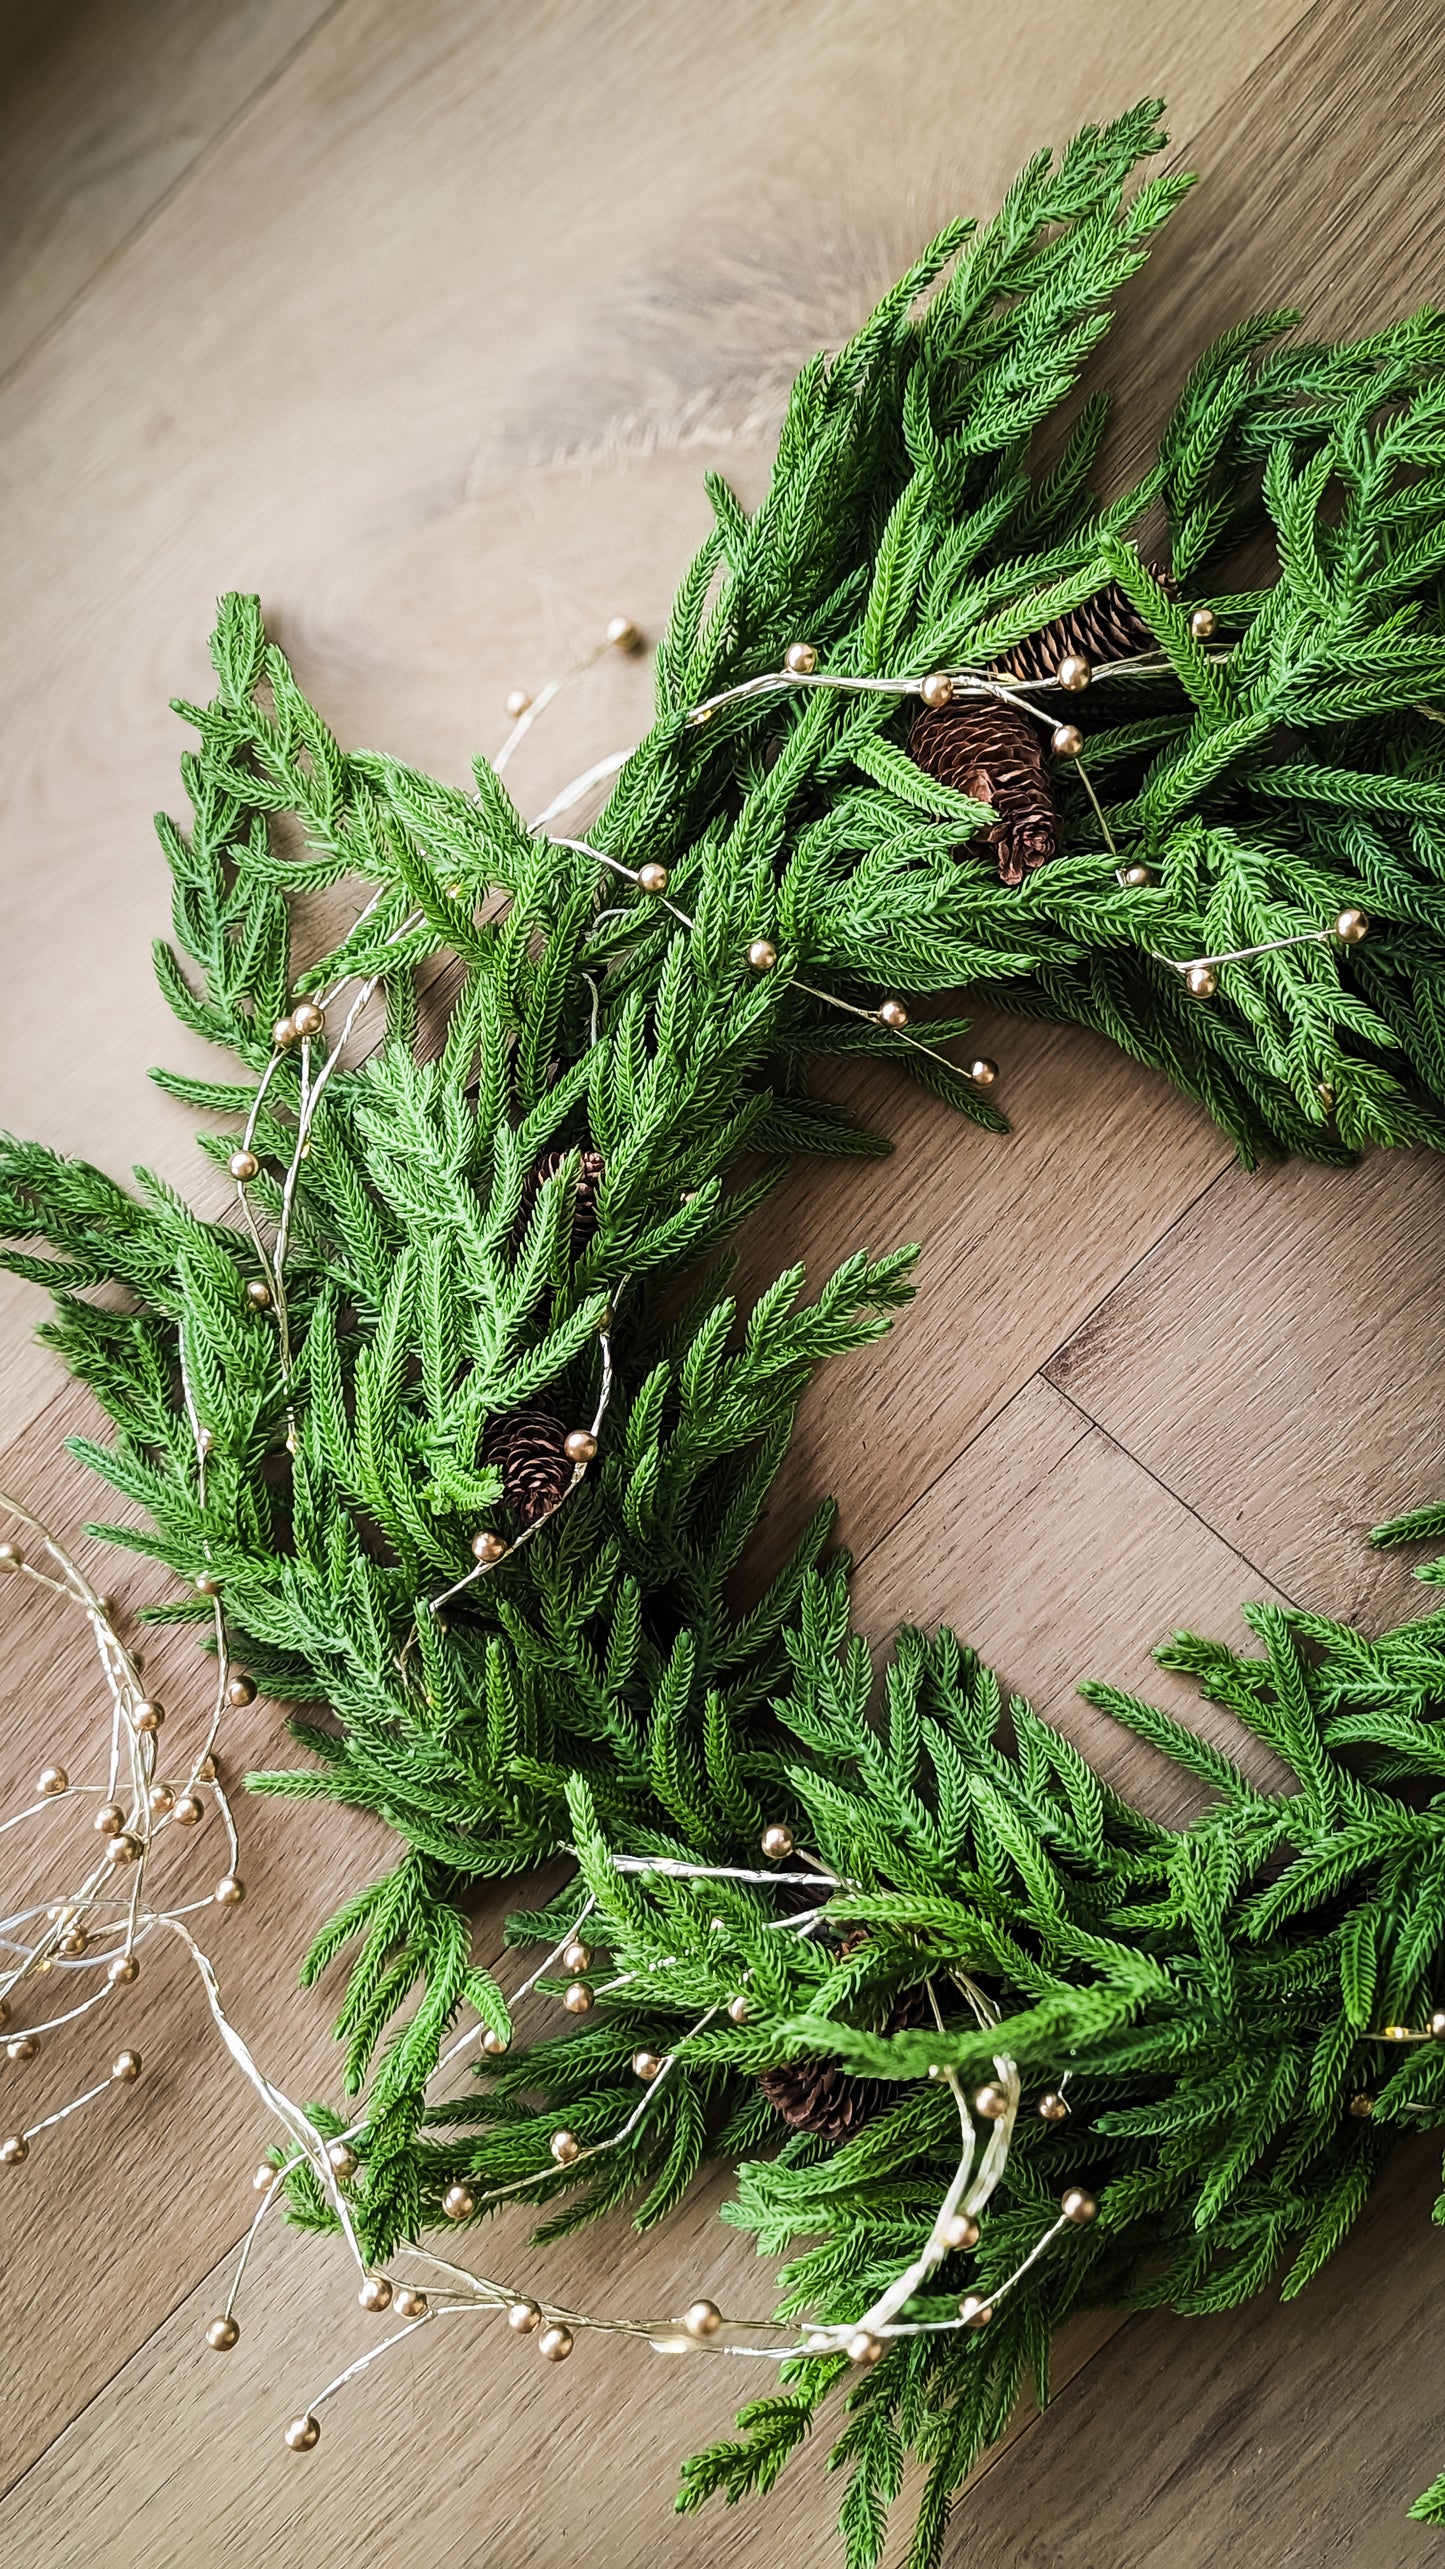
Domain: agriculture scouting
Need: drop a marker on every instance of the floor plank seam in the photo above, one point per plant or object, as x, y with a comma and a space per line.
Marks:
992, 1419
1177, 1497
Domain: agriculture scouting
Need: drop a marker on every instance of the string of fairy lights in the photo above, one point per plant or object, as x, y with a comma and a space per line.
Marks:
100, 1926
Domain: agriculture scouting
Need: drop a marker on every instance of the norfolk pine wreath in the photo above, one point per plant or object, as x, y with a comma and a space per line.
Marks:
1241, 881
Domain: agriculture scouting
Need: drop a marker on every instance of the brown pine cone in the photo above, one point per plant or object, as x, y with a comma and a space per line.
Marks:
1106, 627
994, 753
584, 1209
528, 1448
832, 2103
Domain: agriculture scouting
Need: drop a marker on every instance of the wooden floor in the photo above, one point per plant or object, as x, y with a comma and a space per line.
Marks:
424, 318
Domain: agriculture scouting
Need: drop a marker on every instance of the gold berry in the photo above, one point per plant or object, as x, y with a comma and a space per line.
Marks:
580, 1446
487, 1548
304, 2434
459, 2203
577, 1956
109, 1819
341, 2159
960, 2231
738, 2009
11, 1557
1077, 2206
973, 2312
13, 2149
555, 2343
652, 878
230, 1891
307, 1018
937, 689
565, 2147
53, 1779
243, 1166
777, 1840
983, 1072
124, 1969
241, 1691
1067, 740
990, 2102
762, 954
645, 2065
22, 2047
577, 1998
1135, 877
800, 660
187, 1810
1351, 926
148, 1716
258, 1294
894, 1014
622, 633
408, 2302
1362, 2107
1053, 2107
1437, 2024
375, 2293
702, 2319
1201, 981
1074, 672
283, 1034
126, 2068
524, 2316
1202, 623
126, 1849
863, 2348
494, 2042
518, 703
207, 1584
222, 2333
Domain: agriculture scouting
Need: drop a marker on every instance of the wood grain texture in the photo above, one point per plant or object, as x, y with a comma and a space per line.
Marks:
431, 345
1276, 1362
1048, 1548
104, 107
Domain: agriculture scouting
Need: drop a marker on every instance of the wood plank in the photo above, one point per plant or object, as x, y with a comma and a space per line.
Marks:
105, 106
1275, 1362
1049, 1549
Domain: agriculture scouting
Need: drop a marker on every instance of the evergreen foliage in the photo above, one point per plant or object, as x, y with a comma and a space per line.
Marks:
1211, 1991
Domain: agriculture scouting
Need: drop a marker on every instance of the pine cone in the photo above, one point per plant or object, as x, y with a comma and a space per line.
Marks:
584, 1209
1106, 627
528, 1448
994, 753
832, 2103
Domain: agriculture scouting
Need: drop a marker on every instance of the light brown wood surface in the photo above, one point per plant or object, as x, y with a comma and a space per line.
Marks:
424, 320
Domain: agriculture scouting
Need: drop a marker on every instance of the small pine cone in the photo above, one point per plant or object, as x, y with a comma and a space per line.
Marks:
994, 753
1106, 627
528, 1447
584, 1209
818, 2096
